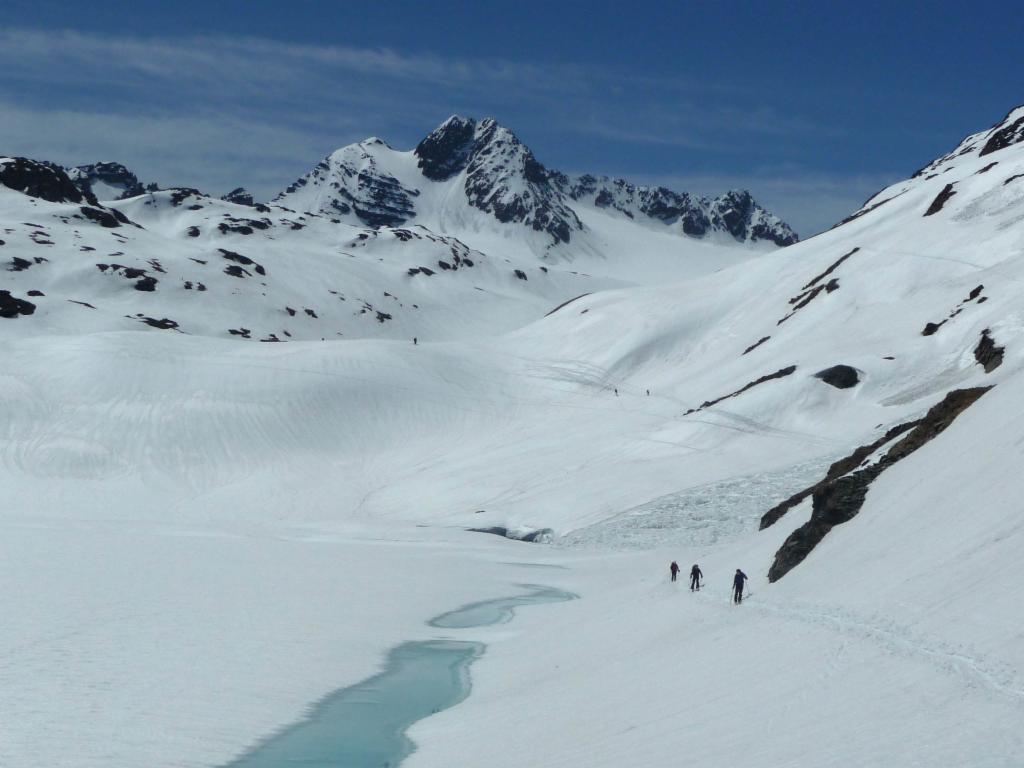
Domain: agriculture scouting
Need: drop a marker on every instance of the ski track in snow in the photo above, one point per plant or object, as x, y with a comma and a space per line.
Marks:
976, 670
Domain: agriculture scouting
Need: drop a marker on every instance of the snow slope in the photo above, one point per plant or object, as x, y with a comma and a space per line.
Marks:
180, 261
204, 536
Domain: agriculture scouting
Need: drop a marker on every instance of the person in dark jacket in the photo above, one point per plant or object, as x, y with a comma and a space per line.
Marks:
674, 569
695, 577
737, 586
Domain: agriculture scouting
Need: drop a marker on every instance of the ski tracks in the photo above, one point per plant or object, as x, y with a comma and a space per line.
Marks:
976, 670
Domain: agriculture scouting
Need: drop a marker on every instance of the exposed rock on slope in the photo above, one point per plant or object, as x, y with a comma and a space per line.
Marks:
987, 353
1006, 133
12, 306
350, 181
503, 178
839, 499
446, 151
240, 196
43, 180
839, 376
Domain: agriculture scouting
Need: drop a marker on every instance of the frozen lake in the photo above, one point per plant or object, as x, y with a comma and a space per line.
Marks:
364, 725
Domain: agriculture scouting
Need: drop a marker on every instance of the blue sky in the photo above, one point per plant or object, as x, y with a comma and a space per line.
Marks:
812, 108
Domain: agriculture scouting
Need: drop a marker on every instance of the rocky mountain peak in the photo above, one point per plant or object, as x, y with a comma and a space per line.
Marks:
351, 181
446, 150
107, 180
733, 211
738, 214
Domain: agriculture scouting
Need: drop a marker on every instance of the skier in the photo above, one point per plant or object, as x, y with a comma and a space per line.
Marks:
415, 341
674, 568
737, 586
616, 391
695, 577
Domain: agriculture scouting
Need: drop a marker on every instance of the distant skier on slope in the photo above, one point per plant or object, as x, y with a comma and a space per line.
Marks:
674, 569
695, 577
737, 586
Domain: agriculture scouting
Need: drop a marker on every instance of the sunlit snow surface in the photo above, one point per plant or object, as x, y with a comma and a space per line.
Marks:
202, 535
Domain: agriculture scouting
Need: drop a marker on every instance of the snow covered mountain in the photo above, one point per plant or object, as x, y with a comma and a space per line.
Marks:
464, 169
350, 251
841, 418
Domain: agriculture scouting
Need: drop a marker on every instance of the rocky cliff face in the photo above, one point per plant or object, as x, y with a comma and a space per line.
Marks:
503, 178
447, 150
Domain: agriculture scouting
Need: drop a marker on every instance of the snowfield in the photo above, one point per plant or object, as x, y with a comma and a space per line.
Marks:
203, 536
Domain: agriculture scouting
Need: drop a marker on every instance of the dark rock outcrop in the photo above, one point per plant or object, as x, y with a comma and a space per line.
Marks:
940, 200
1008, 134
987, 354
565, 304
738, 214
756, 344
779, 374
832, 268
113, 175
179, 195
164, 324
12, 306
837, 469
42, 180
239, 195
503, 178
814, 286
240, 259
839, 376
446, 151
105, 217
839, 498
